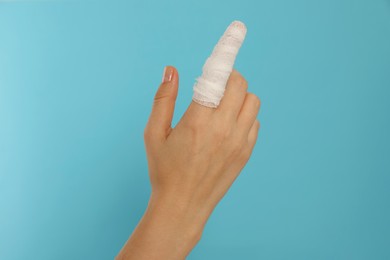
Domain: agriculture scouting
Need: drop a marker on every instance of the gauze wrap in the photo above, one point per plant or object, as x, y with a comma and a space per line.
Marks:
210, 86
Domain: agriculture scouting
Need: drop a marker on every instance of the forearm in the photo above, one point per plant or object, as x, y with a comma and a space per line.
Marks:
166, 231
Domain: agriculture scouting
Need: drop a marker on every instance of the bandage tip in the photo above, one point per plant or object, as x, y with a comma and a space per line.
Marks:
237, 26
240, 25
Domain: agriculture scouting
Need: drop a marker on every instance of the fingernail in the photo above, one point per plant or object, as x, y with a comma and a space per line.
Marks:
167, 75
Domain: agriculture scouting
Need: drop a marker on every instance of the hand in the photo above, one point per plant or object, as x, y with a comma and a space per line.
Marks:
192, 165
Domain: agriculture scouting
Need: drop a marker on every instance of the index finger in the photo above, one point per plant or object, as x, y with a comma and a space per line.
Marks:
210, 86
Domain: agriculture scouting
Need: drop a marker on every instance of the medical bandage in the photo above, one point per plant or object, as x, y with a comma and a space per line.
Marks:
210, 86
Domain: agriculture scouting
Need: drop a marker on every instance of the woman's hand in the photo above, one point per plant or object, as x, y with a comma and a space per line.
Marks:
191, 166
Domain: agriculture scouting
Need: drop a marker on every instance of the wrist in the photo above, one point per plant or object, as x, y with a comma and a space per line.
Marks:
166, 231
178, 216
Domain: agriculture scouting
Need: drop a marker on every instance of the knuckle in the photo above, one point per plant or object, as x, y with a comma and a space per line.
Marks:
254, 99
245, 154
244, 83
237, 146
195, 126
239, 80
223, 118
257, 102
221, 132
258, 124
147, 133
163, 93
162, 96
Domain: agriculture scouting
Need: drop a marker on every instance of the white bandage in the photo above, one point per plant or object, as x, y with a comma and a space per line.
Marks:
210, 87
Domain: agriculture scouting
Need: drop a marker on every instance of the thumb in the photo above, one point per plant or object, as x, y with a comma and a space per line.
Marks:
159, 124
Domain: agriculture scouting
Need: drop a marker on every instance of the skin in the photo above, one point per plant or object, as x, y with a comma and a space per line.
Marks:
191, 166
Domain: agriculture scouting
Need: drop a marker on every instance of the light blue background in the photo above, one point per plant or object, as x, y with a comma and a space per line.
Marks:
77, 80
